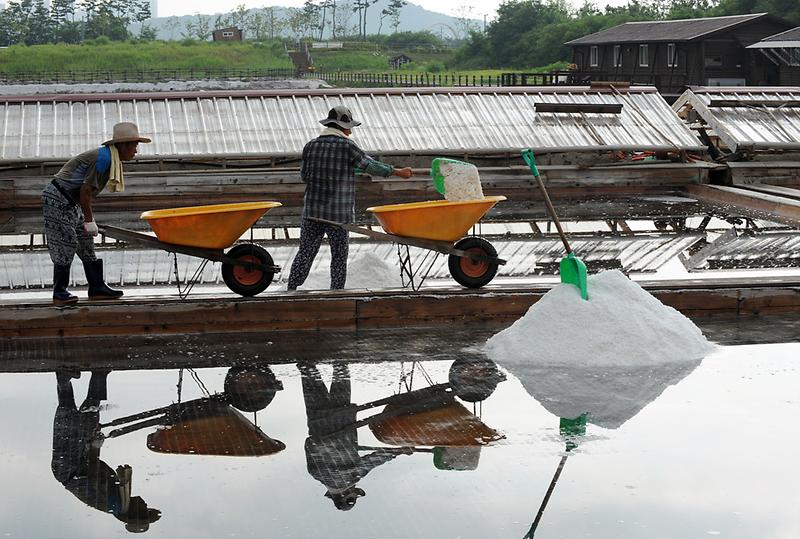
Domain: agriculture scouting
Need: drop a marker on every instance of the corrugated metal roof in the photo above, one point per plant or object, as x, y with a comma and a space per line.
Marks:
753, 121
788, 35
250, 124
764, 250
671, 31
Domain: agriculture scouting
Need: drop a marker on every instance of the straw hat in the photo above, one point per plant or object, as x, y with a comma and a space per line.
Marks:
125, 132
341, 116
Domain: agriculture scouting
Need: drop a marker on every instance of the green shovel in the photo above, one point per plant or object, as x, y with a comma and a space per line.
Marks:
572, 268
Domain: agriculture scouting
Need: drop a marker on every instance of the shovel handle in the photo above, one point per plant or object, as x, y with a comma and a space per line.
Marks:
527, 156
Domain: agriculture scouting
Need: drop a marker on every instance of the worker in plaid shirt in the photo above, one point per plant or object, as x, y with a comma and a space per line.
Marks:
328, 171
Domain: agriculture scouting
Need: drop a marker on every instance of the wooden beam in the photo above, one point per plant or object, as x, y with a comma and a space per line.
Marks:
771, 207
777, 190
769, 103
493, 306
601, 108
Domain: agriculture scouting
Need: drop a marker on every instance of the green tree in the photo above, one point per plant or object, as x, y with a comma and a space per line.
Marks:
198, 28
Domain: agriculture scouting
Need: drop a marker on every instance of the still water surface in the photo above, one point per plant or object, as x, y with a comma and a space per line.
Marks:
385, 437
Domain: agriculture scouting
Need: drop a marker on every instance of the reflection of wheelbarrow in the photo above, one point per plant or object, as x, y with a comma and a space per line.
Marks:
203, 232
211, 425
438, 226
431, 416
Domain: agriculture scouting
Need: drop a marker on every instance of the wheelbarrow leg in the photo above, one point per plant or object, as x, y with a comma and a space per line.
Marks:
183, 293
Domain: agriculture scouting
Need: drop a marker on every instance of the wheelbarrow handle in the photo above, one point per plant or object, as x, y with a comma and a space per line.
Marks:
527, 156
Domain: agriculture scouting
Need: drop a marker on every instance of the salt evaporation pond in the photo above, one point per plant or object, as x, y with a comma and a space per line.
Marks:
706, 448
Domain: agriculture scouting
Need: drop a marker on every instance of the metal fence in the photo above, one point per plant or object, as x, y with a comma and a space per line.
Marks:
143, 75
373, 80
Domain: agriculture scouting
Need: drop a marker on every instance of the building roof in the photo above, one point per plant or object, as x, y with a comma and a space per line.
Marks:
788, 39
669, 31
748, 118
277, 123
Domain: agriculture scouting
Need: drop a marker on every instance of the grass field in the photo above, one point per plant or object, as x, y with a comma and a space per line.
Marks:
104, 55
131, 56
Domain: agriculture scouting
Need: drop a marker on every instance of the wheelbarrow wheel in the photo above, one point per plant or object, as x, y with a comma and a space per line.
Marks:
243, 280
473, 273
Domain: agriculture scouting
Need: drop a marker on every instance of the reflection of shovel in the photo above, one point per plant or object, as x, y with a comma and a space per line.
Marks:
570, 429
572, 268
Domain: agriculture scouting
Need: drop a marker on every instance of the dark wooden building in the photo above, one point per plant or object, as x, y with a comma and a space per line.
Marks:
782, 50
400, 60
228, 34
672, 55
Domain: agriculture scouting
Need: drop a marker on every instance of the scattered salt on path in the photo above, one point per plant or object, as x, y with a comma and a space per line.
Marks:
367, 270
620, 325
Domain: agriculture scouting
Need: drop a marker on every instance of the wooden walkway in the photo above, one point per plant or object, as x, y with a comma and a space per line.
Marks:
353, 310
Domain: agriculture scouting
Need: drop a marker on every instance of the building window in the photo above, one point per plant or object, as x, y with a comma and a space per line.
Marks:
617, 60
593, 56
713, 61
643, 56
227, 34
672, 55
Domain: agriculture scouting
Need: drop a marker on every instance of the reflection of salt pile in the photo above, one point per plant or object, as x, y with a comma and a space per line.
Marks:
607, 357
608, 395
620, 325
461, 181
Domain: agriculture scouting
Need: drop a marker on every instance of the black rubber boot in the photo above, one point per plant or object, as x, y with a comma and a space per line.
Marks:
60, 281
98, 289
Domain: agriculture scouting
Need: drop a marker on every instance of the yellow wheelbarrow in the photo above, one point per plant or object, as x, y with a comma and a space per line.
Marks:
204, 232
440, 227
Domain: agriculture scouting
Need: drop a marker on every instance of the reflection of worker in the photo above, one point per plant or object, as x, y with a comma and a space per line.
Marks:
332, 445
67, 205
76, 457
327, 170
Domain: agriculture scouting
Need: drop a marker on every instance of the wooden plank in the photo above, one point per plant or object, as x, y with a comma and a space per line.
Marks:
775, 208
171, 317
602, 108
353, 310
773, 190
769, 103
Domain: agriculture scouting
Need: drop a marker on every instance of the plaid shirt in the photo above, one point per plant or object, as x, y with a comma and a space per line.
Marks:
328, 163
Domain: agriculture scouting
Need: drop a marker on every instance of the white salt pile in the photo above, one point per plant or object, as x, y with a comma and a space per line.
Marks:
365, 270
620, 325
461, 181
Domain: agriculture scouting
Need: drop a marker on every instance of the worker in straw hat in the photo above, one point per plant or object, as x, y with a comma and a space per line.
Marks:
328, 172
67, 205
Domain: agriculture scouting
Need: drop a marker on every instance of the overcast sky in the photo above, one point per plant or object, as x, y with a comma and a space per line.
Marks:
167, 8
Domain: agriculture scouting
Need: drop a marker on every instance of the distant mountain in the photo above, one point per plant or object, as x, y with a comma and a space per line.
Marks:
413, 18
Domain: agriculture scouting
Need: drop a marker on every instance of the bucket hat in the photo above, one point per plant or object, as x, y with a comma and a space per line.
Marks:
125, 132
341, 116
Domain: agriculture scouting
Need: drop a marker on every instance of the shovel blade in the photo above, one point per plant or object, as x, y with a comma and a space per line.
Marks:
573, 271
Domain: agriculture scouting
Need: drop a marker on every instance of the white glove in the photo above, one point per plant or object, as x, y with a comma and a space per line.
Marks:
91, 228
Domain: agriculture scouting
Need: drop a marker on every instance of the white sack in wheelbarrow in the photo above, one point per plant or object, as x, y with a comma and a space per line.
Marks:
461, 181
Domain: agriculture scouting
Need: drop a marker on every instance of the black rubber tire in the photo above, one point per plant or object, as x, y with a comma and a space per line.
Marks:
251, 282
468, 272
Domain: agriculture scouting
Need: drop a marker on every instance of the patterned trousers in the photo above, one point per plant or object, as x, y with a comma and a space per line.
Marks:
63, 225
311, 233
